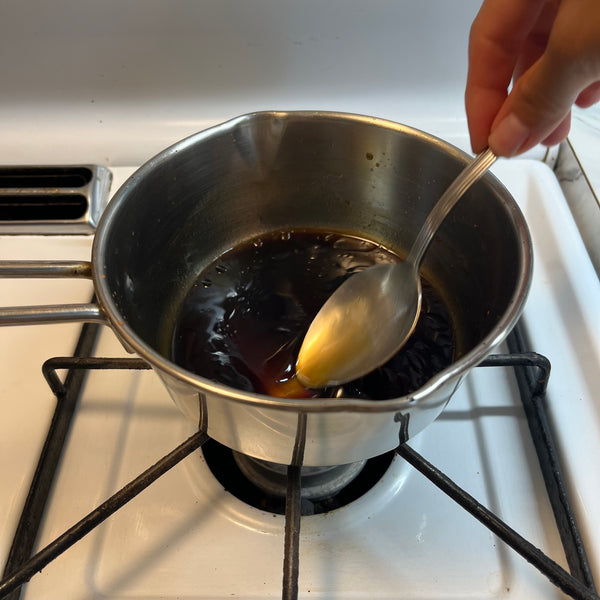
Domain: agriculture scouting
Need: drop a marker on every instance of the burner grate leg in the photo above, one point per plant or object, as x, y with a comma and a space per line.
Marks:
532, 372
555, 573
293, 509
33, 510
291, 559
100, 514
532, 379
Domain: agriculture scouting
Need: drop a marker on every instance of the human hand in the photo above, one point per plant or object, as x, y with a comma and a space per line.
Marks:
551, 51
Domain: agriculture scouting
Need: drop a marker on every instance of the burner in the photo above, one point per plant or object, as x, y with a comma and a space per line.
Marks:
318, 483
263, 484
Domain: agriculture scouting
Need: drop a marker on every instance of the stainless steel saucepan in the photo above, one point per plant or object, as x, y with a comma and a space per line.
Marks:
269, 171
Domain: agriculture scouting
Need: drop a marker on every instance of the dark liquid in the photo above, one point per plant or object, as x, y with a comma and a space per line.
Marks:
243, 321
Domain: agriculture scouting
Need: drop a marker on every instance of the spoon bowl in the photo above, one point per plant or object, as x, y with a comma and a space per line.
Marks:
372, 314
353, 326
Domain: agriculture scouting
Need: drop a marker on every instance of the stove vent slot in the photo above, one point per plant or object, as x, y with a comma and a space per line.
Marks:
50, 200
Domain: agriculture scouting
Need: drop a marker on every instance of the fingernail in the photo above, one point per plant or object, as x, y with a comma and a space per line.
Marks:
509, 136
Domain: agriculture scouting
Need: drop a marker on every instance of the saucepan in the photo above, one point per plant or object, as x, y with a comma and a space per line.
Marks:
271, 171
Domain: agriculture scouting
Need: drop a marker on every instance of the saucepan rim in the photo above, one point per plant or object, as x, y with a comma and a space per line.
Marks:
456, 370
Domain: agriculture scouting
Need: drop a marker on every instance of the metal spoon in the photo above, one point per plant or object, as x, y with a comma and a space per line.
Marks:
372, 314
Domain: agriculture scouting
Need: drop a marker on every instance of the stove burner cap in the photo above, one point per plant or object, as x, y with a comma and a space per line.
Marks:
262, 484
318, 483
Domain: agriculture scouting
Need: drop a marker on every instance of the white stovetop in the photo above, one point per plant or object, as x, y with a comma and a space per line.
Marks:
184, 530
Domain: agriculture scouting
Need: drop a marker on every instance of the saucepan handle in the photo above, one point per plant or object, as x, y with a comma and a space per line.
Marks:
60, 313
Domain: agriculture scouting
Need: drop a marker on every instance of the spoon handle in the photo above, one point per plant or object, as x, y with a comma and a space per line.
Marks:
469, 175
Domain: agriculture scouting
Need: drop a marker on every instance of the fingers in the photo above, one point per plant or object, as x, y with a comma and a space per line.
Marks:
536, 110
549, 77
589, 96
560, 133
496, 44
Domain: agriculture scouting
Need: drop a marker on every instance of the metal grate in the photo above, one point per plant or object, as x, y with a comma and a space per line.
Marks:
532, 372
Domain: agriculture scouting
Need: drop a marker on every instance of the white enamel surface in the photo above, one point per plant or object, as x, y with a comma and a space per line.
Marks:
114, 84
563, 322
186, 537
26, 401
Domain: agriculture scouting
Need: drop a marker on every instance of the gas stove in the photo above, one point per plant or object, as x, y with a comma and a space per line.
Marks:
192, 533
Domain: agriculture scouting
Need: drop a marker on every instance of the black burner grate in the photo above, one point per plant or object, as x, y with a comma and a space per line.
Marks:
532, 372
